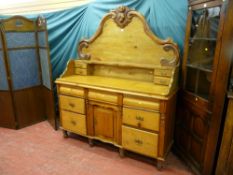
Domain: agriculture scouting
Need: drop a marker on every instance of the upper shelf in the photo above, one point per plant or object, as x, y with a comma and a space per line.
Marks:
200, 67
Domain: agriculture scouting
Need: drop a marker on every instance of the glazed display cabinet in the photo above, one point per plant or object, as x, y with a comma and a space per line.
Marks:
205, 71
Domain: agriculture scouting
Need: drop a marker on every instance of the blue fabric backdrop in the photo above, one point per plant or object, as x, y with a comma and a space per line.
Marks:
166, 18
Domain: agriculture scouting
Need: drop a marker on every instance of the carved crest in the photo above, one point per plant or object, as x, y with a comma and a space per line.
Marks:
122, 16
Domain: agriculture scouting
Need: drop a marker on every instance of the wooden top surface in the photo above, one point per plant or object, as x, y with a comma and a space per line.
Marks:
124, 86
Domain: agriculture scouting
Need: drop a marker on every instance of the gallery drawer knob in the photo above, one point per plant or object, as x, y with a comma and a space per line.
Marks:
138, 142
71, 105
196, 99
139, 118
73, 122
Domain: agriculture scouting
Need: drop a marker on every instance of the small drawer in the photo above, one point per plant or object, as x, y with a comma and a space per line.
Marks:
141, 103
162, 81
72, 104
140, 141
71, 91
79, 64
103, 96
73, 122
163, 72
141, 119
79, 71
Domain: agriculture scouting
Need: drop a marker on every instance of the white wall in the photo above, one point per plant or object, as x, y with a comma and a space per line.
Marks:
18, 7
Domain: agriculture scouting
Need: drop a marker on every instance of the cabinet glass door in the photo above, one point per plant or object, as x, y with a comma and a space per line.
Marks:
202, 45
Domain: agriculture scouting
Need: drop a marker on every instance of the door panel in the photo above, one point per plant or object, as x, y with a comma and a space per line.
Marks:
104, 122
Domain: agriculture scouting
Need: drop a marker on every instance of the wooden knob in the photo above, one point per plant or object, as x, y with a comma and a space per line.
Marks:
138, 142
73, 122
72, 105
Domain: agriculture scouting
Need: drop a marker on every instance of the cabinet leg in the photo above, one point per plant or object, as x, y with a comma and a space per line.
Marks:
122, 152
160, 164
65, 133
91, 142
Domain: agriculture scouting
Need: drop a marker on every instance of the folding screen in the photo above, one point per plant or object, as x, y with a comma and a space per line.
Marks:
25, 73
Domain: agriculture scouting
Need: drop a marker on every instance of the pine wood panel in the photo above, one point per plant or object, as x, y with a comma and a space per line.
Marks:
138, 46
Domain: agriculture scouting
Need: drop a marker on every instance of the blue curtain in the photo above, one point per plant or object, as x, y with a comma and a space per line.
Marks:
166, 18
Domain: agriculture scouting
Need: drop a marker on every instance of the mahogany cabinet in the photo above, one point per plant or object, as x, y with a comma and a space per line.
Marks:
205, 72
26, 95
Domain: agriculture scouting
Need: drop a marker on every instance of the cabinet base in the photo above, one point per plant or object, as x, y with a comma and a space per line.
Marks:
65, 133
91, 142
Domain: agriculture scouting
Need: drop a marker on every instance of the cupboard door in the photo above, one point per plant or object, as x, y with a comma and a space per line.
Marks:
104, 122
191, 131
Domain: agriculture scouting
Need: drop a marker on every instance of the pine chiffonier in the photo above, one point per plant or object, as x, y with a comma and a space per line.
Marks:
122, 88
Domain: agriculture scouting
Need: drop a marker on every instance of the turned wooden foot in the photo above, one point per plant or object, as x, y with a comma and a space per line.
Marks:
160, 164
65, 133
91, 142
122, 152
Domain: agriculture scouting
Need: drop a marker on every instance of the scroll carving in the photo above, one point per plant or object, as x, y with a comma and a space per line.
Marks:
174, 61
83, 44
41, 21
122, 16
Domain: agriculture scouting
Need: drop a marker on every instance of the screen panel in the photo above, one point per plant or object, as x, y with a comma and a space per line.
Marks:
20, 39
3, 74
45, 68
0, 42
42, 39
24, 68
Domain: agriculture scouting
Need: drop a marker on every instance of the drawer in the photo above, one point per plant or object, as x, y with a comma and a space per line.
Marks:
79, 71
162, 80
73, 122
163, 72
103, 96
141, 103
141, 119
71, 91
140, 141
80, 64
72, 104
